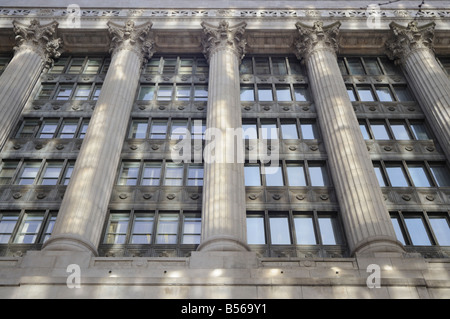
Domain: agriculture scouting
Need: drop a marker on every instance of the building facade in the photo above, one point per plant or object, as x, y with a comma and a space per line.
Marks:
252, 149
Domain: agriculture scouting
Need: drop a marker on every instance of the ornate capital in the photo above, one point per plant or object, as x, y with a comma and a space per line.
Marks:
224, 37
315, 38
405, 40
133, 38
38, 38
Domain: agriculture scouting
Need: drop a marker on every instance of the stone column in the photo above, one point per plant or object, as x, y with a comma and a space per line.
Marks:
411, 46
224, 214
366, 220
82, 214
36, 47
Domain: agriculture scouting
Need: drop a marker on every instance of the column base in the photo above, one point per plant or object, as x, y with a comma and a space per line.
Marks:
378, 244
69, 243
223, 243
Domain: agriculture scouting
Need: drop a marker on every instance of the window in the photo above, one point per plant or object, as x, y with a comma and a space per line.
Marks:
365, 93
7, 170
129, 172
158, 129
273, 176
304, 229
28, 129
138, 129
173, 175
68, 129
252, 175
247, 93
318, 174
262, 66
397, 175
48, 129
255, 230
301, 93
29, 229
28, 173
191, 229
167, 231
289, 130
441, 174
117, 228
419, 175
279, 230
195, 175
265, 93
8, 221
329, 230
142, 228
283, 93
296, 174
151, 174
164, 93
146, 93
52, 172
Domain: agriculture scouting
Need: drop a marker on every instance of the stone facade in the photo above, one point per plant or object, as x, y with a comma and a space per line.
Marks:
93, 203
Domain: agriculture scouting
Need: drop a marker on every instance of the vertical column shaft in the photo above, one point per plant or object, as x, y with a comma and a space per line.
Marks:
366, 220
223, 222
81, 216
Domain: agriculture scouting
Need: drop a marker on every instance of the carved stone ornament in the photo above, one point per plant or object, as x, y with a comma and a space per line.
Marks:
405, 40
133, 38
317, 37
223, 37
40, 39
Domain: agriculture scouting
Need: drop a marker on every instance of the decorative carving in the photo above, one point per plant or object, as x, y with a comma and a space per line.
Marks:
223, 37
133, 38
40, 39
405, 40
316, 37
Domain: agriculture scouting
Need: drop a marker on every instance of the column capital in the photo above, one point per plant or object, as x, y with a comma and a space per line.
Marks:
38, 38
133, 38
223, 37
317, 37
405, 40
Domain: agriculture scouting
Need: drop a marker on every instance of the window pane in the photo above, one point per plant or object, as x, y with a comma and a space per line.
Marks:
283, 93
398, 230
174, 175
76, 66
262, 65
146, 93
138, 129
142, 229
167, 229
329, 230
158, 129
389, 67
289, 130
364, 131
201, 93
269, 131
318, 175
129, 174
7, 224
83, 130
68, 173
379, 131
355, 66
93, 65
64, 92
384, 94
252, 175
279, 66
380, 177
441, 175
365, 93
279, 231
178, 129
419, 176
192, 227
397, 176
296, 175
441, 230
183, 93
152, 67
309, 131
46, 92
51, 173
28, 129
420, 132
403, 94
351, 93
400, 131
48, 129
300, 93
274, 176
7, 170
164, 93
29, 229
372, 66
82, 92
247, 93
68, 129
255, 230
265, 93
151, 174
195, 175
186, 66
417, 231
246, 66
117, 229
49, 228
304, 230
169, 66
249, 131
29, 173
295, 66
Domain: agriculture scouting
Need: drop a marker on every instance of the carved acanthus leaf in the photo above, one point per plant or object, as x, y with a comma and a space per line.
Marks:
224, 37
39, 38
404, 40
132, 37
316, 37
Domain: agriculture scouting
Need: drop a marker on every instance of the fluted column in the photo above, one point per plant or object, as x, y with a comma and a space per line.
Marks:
223, 220
36, 47
82, 214
366, 220
411, 46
